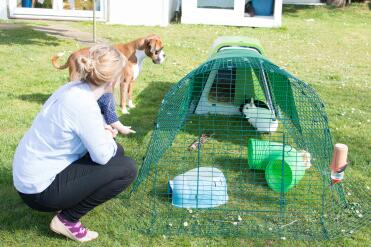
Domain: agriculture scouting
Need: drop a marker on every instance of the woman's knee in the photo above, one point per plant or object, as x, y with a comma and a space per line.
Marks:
130, 169
124, 168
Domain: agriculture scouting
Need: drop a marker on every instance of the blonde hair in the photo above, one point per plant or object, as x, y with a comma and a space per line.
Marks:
104, 64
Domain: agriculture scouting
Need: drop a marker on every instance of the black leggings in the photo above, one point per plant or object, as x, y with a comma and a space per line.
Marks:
83, 185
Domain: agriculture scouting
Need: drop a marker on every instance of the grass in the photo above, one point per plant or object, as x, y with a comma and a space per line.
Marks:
328, 48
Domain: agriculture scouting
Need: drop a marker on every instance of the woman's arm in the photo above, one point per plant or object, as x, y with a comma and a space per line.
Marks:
100, 144
89, 127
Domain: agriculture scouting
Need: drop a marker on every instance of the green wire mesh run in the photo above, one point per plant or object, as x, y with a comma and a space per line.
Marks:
202, 123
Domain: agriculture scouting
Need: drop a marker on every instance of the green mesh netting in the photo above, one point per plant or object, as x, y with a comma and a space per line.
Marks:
270, 190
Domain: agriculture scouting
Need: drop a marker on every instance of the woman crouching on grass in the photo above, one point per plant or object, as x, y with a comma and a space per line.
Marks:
68, 161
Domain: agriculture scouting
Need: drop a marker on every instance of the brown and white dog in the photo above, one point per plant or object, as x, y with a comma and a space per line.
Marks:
135, 52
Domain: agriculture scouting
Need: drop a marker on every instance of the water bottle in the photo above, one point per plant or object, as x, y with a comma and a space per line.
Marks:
339, 163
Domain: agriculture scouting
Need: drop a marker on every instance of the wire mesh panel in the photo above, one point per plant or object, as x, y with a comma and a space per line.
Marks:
241, 148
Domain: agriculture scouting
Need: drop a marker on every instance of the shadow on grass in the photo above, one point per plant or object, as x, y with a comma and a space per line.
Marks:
26, 36
14, 214
292, 10
148, 103
242, 175
39, 98
224, 129
5, 175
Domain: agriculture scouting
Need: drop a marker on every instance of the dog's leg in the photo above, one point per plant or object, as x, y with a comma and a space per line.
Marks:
130, 95
124, 87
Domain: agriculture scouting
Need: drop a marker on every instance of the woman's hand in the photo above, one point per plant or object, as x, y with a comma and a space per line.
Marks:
125, 130
111, 132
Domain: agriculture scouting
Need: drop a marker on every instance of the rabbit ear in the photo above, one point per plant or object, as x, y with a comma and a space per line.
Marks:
252, 103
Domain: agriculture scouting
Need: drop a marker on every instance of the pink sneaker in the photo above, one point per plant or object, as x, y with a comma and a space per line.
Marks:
72, 230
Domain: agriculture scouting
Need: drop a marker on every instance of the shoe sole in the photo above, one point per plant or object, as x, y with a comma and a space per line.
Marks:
54, 225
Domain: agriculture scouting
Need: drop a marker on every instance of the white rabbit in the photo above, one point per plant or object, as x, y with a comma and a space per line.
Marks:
261, 118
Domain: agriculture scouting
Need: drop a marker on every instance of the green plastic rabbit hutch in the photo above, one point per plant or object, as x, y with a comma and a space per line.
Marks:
241, 148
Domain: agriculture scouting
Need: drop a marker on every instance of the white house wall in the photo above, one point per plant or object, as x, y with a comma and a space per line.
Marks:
191, 14
3, 10
141, 12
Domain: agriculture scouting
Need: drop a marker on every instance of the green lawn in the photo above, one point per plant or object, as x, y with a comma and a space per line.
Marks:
328, 48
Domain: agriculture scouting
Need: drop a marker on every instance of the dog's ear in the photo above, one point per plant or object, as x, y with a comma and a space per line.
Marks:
151, 44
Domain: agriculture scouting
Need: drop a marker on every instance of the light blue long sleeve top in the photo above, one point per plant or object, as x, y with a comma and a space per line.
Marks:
68, 126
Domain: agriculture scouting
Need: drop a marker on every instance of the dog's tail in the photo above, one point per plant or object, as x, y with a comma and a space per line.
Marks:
55, 63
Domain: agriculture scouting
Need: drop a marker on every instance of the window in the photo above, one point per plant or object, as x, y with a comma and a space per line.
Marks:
58, 4
56, 9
